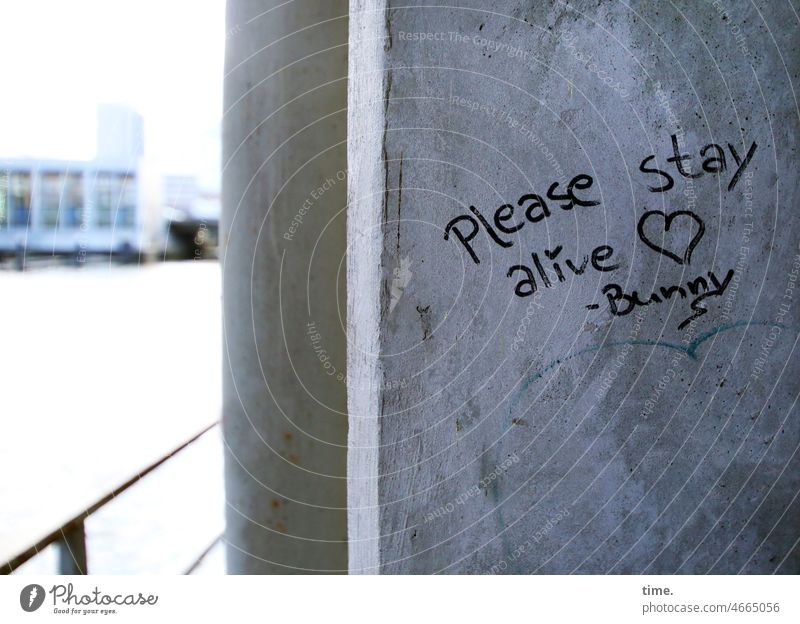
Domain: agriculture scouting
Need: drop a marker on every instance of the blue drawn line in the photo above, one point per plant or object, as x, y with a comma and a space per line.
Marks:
690, 350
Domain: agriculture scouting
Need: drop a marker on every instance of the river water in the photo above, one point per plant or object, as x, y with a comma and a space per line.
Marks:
104, 370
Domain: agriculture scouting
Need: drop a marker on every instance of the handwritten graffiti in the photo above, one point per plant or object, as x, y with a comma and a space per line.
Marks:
673, 235
621, 304
666, 221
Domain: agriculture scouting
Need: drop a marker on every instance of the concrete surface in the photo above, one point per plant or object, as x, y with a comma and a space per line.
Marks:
581, 427
283, 239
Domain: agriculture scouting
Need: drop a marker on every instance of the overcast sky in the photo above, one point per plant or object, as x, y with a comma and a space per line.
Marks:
162, 57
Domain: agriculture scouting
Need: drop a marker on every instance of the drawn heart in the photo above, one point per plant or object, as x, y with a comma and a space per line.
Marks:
666, 223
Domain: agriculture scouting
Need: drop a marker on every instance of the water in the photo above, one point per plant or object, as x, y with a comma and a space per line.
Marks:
104, 370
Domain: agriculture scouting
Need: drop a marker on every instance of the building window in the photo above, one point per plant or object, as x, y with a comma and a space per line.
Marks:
51, 197
72, 200
104, 197
19, 198
126, 215
3, 199
115, 200
62, 199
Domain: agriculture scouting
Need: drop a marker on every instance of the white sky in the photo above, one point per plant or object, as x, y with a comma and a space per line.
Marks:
162, 57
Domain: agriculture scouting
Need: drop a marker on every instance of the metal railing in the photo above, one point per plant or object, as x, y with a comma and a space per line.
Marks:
70, 537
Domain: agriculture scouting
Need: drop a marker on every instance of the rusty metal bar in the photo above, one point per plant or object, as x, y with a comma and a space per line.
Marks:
69, 530
197, 562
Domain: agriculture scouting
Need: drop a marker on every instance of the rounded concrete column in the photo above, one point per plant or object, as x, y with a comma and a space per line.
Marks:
283, 246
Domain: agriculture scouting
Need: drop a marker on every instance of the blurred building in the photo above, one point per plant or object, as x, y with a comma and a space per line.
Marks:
120, 133
109, 204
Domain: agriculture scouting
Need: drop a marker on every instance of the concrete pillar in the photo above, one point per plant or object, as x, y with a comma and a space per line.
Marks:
283, 251
573, 324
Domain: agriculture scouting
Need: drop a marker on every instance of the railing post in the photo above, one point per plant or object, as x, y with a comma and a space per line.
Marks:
72, 541
72, 551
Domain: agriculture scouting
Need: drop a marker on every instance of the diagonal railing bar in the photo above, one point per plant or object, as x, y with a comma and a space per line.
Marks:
71, 537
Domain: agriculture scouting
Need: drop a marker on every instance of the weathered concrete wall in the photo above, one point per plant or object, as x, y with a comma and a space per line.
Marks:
283, 237
636, 413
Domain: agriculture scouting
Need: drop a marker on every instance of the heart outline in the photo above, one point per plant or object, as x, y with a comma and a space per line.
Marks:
687, 255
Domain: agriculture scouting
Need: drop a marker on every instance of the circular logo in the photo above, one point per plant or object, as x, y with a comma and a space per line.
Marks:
31, 597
